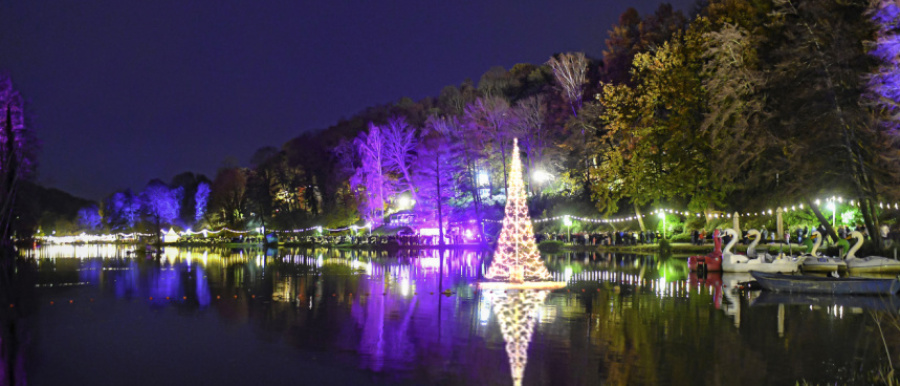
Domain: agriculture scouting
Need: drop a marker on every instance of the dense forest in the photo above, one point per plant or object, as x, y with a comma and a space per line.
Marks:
742, 105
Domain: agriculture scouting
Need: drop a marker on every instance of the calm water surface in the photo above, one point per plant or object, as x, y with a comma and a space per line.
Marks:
95, 315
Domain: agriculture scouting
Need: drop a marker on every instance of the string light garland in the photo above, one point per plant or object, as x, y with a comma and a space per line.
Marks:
85, 238
685, 213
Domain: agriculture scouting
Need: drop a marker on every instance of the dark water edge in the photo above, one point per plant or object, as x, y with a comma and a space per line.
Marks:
291, 316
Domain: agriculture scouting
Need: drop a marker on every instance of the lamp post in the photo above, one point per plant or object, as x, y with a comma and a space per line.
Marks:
662, 215
568, 222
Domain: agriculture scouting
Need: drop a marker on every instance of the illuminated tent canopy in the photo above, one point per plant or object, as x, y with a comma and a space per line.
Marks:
170, 236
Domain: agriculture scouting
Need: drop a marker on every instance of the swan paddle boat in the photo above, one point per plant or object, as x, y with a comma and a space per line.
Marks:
732, 262
812, 262
751, 249
711, 262
870, 264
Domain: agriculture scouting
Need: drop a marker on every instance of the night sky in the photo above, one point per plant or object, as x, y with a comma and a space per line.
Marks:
121, 92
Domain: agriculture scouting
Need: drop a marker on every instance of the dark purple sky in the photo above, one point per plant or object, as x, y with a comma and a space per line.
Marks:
123, 91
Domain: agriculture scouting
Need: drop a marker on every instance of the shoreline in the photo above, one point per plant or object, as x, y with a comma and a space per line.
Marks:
675, 248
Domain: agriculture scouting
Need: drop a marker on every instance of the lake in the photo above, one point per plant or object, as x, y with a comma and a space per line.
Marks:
97, 314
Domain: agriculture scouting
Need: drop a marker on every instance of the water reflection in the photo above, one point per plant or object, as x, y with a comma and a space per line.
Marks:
415, 317
517, 312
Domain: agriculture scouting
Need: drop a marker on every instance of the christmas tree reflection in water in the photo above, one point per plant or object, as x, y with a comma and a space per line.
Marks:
517, 263
517, 313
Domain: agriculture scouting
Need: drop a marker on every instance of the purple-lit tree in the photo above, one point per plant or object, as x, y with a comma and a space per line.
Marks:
470, 150
201, 199
17, 145
493, 117
370, 175
399, 146
570, 71
161, 204
437, 169
188, 182
89, 217
531, 129
122, 210
884, 83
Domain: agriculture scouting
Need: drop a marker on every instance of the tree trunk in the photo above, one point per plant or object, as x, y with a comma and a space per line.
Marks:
158, 235
637, 213
437, 180
10, 172
412, 189
861, 178
822, 219
505, 178
476, 199
870, 217
529, 175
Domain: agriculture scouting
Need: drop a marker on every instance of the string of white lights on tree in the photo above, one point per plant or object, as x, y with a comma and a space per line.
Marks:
517, 258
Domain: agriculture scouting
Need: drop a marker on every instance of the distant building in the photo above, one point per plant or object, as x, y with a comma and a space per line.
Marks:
402, 218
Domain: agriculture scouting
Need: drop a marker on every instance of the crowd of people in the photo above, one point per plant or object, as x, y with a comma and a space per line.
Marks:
798, 235
609, 238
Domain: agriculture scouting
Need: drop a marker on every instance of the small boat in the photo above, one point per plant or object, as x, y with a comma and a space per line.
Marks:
752, 253
732, 262
711, 262
812, 262
826, 285
869, 264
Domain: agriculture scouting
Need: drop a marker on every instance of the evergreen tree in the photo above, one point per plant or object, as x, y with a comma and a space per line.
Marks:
817, 57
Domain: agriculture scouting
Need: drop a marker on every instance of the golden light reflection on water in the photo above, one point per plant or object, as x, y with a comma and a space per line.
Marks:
618, 325
517, 312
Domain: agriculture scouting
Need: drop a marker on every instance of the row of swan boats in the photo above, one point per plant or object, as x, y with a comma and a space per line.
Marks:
727, 261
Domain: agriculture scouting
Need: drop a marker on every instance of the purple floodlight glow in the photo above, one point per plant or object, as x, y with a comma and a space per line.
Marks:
884, 83
89, 217
201, 198
16, 141
161, 202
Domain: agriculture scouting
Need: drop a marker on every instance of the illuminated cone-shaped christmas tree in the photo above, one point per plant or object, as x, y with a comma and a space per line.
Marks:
517, 315
516, 258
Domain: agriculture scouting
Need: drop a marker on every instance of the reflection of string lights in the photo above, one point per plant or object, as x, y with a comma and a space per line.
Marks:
517, 258
86, 238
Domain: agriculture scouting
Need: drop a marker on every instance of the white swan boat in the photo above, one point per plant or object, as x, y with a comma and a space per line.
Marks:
812, 262
732, 262
752, 253
870, 264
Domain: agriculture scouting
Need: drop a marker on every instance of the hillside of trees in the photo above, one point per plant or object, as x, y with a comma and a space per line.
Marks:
743, 105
